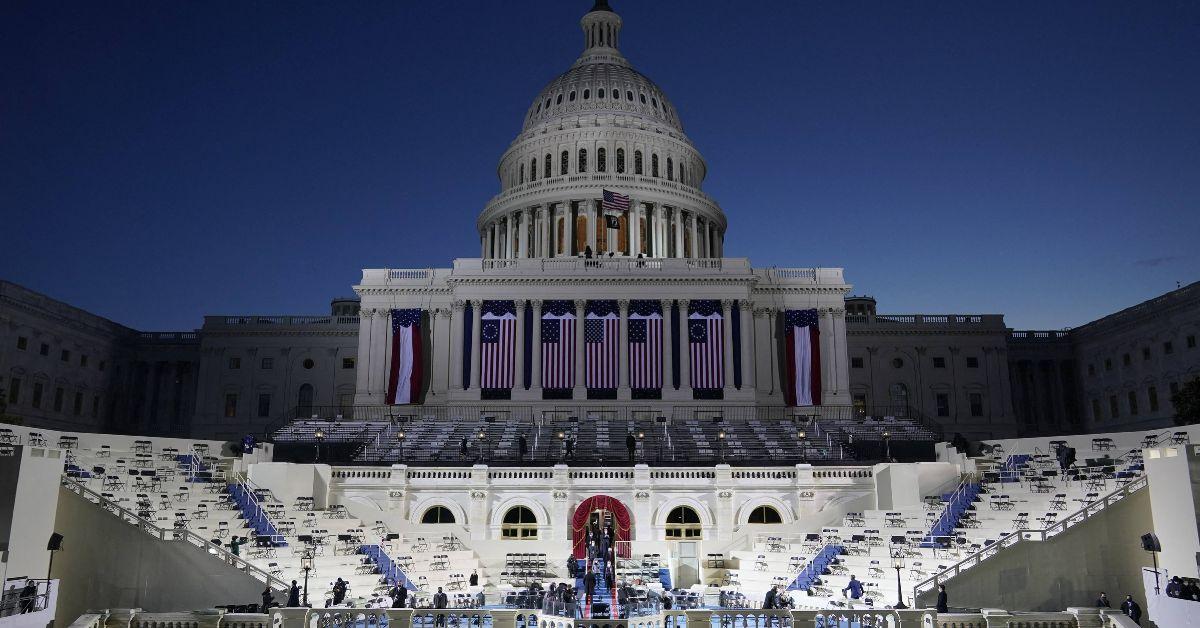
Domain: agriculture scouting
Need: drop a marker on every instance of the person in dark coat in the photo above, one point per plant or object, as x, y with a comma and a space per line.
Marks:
631, 445
522, 447
941, 600
268, 599
28, 597
293, 600
474, 579
399, 595
440, 601
572, 566
769, 601
589, 587
1102, 601
855, 587
1131, 608
339, 591
587, 251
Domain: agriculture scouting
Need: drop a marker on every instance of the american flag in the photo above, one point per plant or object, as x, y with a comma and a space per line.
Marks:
558, 350
706, 330
802, 348
614, 202
645, 347
498, 326
404, 377
600, 340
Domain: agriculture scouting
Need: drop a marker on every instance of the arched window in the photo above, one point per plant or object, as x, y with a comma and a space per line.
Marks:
438, 514
587, 94
558, 100
765, 515
522, 179
519, 523
620, 161
637, 162
643, 98
654, 165
629, 95
571, 97
565, 163
683, 523
601, 160
670, 169
304, 401
546, 167
533, 169
583, 160
600, 93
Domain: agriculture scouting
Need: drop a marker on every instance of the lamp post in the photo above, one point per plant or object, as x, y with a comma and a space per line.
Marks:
887, 446
898, 564
721, 444
562, 446
482, 436
306, 564
400, 443
641, 439
802, 438
320, 436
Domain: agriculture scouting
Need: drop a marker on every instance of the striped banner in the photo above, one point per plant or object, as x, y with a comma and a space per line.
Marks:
645, 346
558, 346
497, 334
706, 332
600, 337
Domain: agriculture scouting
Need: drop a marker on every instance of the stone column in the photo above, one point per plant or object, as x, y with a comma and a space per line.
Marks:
727, 326
381, 355
592, 225
841, 359
685, 352
509, 252
364, 357
623, 349
439, 336
455, 347
635, 229
519, 348
535, 377
747, 323
676, 217
580, 381
476, 312
546, 213
709, 249
668, 359
523, 238
694, 235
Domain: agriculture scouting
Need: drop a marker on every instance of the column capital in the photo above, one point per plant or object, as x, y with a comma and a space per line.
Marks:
726, 304
580, 303
683, 304
746, 304
838, 312
763, 312
519, 303
623, 304
458, 305
536, 303
443, 312
476, 303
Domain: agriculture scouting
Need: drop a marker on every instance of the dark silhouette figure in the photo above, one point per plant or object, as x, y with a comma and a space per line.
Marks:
941, 601
293, 600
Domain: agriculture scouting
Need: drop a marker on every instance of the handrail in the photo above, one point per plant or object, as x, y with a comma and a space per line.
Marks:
1026, 534
174, 534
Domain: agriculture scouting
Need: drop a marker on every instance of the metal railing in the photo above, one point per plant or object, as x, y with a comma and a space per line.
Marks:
173, 534
1088, 511
17, 600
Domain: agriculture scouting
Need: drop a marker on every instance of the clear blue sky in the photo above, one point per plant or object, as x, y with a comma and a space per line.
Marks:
161, 160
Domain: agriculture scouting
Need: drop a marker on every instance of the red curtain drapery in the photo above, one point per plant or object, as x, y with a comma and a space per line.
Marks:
621, 521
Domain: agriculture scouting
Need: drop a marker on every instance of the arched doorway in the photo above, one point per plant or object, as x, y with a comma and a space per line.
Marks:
599, 511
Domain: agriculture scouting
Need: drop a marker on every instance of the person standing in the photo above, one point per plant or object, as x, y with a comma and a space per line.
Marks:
28, 597
941, 599
589, 588
631, 445
1102, 601
474, 579
293, 600
462, 448
522, 448
855, 587
399, 596
439, 602
769, 601
1131, 608
268, 599
339, 592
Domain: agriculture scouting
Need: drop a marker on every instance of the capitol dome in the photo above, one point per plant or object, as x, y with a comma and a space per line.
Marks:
600, 127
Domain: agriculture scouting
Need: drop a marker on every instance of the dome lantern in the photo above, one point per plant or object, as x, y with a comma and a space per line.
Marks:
601, 34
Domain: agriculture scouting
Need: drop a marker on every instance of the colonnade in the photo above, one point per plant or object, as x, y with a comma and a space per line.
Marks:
564, 228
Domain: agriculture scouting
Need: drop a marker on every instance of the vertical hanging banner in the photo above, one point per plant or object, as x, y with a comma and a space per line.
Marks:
706, 336
645, 349
404, 378
802, 349
497, 336
600, 337
558, 349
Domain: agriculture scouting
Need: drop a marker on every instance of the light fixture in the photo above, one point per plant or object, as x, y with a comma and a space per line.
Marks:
641, 435
721, 434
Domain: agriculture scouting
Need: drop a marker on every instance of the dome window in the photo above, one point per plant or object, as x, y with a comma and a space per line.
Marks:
601, 160
522, 173
539, 108
670, 170
654, 102
620, 161
654, 165
637, 162
558, 101
533, 169
571, 97
587, 94
565, 163
643, 98
546, 167
600, 93
629, 95
583, 158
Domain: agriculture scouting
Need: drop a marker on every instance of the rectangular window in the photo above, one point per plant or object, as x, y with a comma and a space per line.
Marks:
943, 404
1145, 353
45, 349
939, 363
58, 399
14, 391
1191, 342
268, 364
235, 363
347, 363
22, 343
96, 407
1168, 348
83, 360
1133, 409
1096, 410
1114, 410
1152, 394
78, 407
856, 363
66, 355
264, 405
37, 394
972, 362
1108, 364
1126, 360
230, 405
976, 400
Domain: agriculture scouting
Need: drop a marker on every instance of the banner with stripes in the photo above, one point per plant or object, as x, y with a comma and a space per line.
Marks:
802, 349
706, 331
645, 349
558, 349
600, 341
497, 335
404, 378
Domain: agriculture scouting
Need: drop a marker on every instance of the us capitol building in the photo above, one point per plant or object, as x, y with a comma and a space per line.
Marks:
602, 286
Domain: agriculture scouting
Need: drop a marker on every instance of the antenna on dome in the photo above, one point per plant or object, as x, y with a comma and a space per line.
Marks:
601, 5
